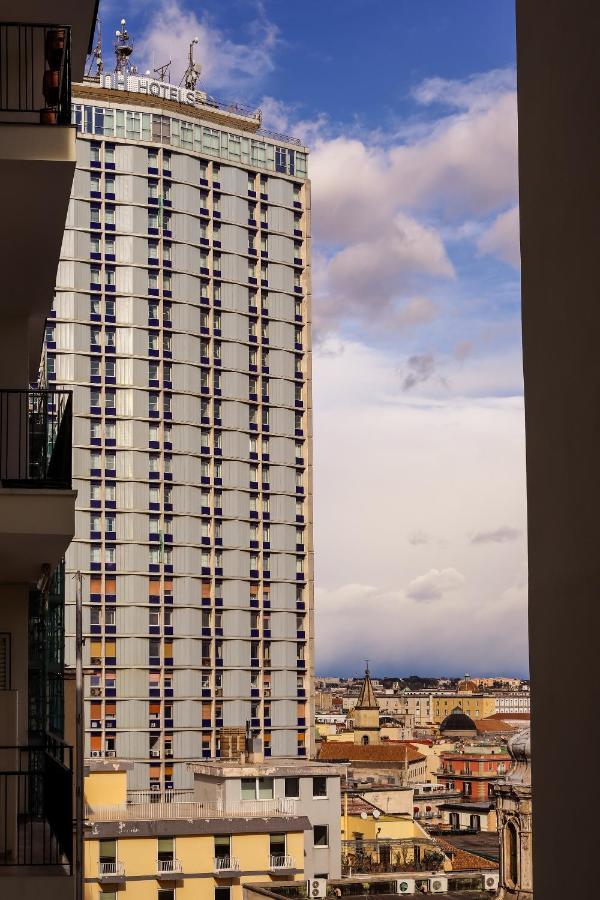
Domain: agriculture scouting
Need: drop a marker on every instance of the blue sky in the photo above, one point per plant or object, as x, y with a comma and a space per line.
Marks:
409, 110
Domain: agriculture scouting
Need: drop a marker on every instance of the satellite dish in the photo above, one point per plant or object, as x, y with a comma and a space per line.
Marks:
376, 813
363, 815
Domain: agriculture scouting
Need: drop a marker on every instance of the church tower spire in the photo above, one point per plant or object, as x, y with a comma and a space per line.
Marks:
366, 714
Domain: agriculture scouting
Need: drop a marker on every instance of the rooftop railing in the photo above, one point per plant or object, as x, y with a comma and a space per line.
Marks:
35, 74
36, 810
181, 809
35, 439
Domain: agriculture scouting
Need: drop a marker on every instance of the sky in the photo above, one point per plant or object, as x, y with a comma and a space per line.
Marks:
409, 110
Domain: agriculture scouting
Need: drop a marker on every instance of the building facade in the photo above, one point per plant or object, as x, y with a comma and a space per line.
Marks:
187, 847
182, 324
37, 500
473, 771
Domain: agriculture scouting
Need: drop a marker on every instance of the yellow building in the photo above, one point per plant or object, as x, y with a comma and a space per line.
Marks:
142, 848
477, 706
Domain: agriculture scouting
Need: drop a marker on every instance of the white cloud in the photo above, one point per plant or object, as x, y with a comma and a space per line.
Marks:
382, 209
227, 65
389, 463
469, 93
434, 584
502, 238
372, 280
498, 536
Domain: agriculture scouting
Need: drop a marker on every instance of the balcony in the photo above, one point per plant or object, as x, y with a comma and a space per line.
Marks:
167, 869
37, 160
36, 825
224, 865
402, 855
281, 863
36, 501
156, 805
111, 872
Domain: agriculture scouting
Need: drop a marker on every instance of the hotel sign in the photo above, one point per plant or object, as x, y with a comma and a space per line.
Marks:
143, 85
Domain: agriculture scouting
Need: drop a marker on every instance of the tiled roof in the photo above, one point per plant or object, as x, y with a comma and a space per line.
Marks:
492, 724
525, 717
461, 859
390, 751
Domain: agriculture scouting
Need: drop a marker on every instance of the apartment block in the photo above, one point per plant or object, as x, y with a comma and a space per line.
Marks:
240, 823
182, 325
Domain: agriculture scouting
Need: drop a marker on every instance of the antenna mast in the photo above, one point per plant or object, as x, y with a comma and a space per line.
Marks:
96, 56
123, 51
163, 72
192, 73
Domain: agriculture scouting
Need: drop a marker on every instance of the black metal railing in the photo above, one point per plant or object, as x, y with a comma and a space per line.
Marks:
388, 855
35, 438
35, 74
36, 805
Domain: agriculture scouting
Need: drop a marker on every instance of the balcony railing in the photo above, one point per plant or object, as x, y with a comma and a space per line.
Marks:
226, 864
168, 866
113, 869
281, 862
151, 809
403, 855
36, 810
35, 74
35, 439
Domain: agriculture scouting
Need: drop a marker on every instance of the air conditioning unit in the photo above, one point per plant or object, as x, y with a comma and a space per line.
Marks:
155, 753
316, 887
96, 753
491, 880
406, 886
110, 753
438, 884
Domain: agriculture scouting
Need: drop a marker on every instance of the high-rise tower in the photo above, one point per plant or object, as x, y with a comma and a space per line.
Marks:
182, 324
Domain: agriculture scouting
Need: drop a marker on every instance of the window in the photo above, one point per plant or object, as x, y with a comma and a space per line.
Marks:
277, 844
319, 786
292, 787
222, 846
107, 852
321, 836
257, 789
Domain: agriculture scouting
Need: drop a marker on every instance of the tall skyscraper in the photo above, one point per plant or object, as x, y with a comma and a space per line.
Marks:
182, 324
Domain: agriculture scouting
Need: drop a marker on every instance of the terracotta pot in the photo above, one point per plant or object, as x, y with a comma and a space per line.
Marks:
51, 86
55, 46
48, 116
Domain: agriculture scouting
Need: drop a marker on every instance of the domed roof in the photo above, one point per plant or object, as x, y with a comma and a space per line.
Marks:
458, 721
467, 686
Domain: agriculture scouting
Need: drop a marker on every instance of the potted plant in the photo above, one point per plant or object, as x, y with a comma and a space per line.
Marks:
55, 46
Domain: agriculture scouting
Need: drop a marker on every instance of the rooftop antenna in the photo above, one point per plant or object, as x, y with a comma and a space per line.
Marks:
123, 50
192, 73
163, 72
96, 56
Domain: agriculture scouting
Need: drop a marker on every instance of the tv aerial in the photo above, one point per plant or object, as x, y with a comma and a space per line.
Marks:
163, 73
192, 73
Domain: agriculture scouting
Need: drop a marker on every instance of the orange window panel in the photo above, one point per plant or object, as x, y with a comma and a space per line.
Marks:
110, 585
154, 771
154, 587
95, 585
95, 710
168, 586
206, 710
96, 742
154, 707
206, 589
110, 648
110, 708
